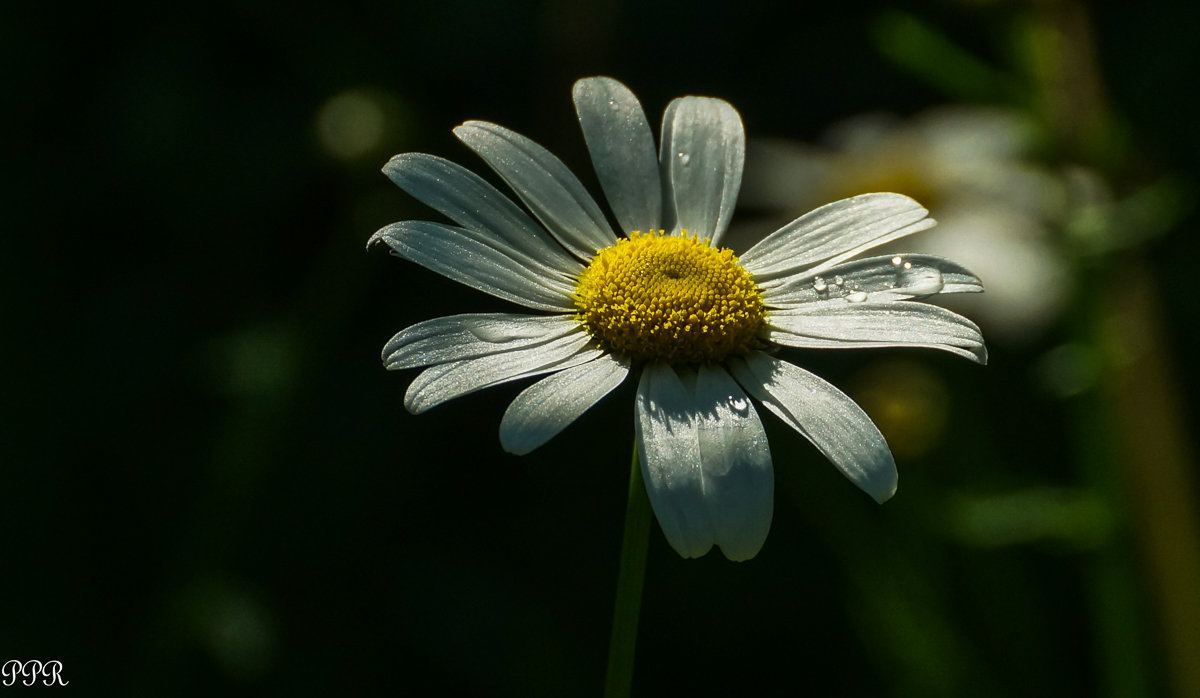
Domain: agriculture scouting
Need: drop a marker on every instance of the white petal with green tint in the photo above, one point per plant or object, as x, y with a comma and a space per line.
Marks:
544, 183
485, 264
443, 382
847, 325
465, 198
670, 455
739, 483
701, 156
459, 337
622, 149
884, 278
833, 233
825, 416
548, 406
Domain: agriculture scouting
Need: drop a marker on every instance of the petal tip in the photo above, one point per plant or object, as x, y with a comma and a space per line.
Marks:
469, 126
736, 557
376, 238
512, 442
692, 553
583, 84
413, 402
396, 163
883, 494
515, 449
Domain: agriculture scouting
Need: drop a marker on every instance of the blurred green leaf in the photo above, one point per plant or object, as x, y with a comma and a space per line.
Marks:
927, 54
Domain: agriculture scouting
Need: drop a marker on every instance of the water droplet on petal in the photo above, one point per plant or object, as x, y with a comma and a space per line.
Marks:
897, 260
856, 296
819, 285
499, 333
738, 404
838, 281
684, 159
612, 104
922, 281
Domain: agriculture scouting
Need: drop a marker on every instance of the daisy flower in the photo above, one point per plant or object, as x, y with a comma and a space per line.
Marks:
665, 304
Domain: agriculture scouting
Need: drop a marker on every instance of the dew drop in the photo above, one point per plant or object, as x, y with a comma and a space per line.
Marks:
497, 333
612, 104
838, 281
819, 285
856, 296
740, 405
908, 265
897, 260
922, 281
684, 159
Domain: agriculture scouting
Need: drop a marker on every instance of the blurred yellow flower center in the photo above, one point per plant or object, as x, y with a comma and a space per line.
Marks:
654, 296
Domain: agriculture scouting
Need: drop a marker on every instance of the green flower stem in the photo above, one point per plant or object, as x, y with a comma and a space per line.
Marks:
618, 680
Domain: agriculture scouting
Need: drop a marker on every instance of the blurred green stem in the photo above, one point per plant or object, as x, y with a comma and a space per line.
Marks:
1146, 415
622, 644
1133, 433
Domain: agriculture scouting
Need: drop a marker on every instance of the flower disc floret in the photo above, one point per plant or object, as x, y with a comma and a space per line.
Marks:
673, 298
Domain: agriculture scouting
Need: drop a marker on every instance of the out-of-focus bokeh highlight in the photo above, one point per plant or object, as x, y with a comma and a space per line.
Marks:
212, 487
997, 209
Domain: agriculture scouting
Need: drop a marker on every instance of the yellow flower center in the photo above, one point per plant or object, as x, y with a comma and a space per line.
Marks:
654, 296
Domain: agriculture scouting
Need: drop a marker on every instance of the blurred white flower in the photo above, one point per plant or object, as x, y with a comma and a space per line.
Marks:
970, 166
666, 301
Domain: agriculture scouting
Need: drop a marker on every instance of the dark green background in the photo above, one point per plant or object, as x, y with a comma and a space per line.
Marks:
210, 486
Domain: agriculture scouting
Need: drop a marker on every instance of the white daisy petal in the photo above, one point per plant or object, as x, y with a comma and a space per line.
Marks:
885, 278
825, 416
670, 455
545, 184
465, 198
443, 382
622, 149
514, 254
834, 233
868, 325
460, 337
459, 254
672, 304
548, 406
739, 483
701, 156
